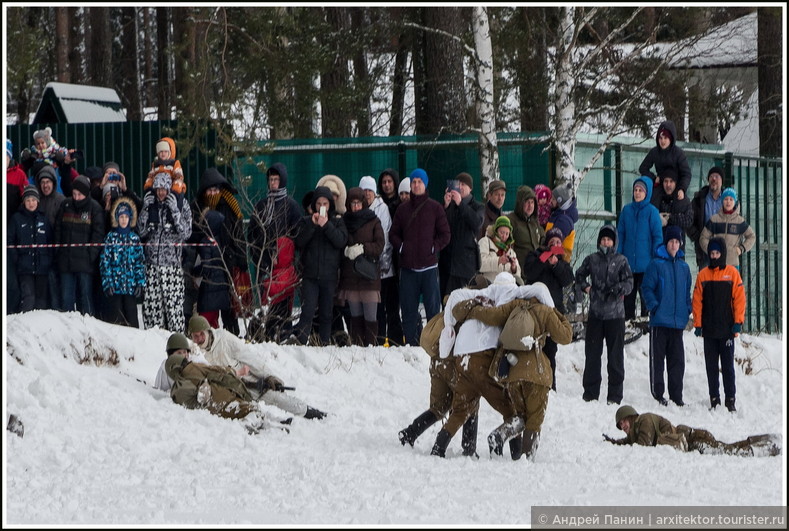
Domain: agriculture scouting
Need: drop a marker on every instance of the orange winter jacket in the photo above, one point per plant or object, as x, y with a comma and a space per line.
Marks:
718, 301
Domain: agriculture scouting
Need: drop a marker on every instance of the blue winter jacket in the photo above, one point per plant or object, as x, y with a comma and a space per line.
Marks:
640, 230
122, 263
666, 289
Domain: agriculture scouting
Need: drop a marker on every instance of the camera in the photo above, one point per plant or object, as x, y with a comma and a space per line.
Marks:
453, 185
113, 177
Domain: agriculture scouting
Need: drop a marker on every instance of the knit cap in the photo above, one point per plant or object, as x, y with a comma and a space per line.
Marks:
123, 208
496, 184
563, 194
46, 172
714, 245
730, 192
30, 191
464, 178
715, 169
368, 183
502, 221
553, 233
405, 186
162, 180
673, 232
542, 192
419, 173
82, 184
641, 184
162, 146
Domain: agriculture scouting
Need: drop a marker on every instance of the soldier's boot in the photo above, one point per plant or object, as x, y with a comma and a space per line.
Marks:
442, 441
417, 428
313, 413
531, 440
370, 333
469, 442
765, 445
730, 404
516, 447
357, 330
504, 432
715, 401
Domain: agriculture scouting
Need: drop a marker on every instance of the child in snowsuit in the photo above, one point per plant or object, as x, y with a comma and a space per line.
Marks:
165, 162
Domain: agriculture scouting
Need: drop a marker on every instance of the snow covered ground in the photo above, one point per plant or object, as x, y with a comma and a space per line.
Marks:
102, 447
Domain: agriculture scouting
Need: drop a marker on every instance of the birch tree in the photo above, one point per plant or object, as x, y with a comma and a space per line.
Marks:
486, 112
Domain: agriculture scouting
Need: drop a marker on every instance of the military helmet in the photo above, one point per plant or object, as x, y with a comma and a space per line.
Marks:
174, 364
177, 341
624, 412
198, 323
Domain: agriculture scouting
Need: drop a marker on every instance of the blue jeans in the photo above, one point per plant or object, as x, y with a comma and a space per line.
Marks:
412, 285
77, 290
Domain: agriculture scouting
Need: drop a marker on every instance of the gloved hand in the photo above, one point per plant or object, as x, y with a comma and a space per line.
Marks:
461, 310
275, 383
25, 155
171, 203
204, 393
664, 218
148, 199
610, 439
697, 331
109, 292
736, 328
138, 291
352, 251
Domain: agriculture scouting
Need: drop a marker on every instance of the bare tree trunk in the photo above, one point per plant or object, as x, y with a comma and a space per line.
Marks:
335, 117
147, 24
533, 70
565, 103
130, 64
184, 58
163, 53
770, 64
486, 112
361, 76
62, 45
398, 88
100, 47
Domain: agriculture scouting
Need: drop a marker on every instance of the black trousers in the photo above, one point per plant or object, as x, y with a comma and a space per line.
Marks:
389, 323
122, 310
666, 348
613, 332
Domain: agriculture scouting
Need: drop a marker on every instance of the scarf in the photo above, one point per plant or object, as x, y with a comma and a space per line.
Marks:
355, 220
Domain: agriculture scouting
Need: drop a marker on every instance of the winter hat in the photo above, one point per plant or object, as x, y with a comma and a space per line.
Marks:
553, 233
46, 172
110, 165
368, 183
405, 186
496, 184
730, 192
715, 169
94, 173
162, 180
322, 191
669, 173
542, 192
30, 191
82, 184
464, 178
108, 189
563, 195
9, 148
419, 173
607, 230
162, 145
673, 232
355, 194
45, 133
714, 245
281, 170
640, 183
665, 131
123, 208
502, 221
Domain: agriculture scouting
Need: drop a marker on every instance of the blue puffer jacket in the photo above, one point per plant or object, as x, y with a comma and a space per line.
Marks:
122, 262
667, 289
640, 230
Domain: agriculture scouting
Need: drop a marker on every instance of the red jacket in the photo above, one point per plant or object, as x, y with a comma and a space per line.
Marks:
16, 176
282, 282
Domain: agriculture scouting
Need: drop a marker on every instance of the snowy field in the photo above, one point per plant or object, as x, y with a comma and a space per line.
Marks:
102, 447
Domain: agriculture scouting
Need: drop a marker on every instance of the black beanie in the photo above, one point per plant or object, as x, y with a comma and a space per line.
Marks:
82, 184
607, 230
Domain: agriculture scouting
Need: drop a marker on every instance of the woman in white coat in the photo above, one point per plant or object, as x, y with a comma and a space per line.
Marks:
496, 253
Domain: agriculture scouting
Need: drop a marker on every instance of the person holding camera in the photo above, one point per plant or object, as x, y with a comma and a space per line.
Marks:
113, 186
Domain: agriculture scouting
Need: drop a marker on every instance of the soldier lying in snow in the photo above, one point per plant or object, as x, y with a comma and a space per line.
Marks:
649, 429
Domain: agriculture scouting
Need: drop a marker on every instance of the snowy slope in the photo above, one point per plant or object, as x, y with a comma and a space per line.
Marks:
102, 447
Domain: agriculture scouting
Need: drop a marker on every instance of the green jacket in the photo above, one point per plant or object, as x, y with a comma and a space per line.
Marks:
649, 429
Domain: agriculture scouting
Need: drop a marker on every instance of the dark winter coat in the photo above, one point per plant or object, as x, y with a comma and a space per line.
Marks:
640, 231
15, 182
460, 258
611, 280
565, 219
419, 231
165, 229
371, 235
680, 212
527, 232
491, 215
234, 250
214, 291
666, 289
698, 206
671, 157
321, 247
30, 228
79, 222
555, 277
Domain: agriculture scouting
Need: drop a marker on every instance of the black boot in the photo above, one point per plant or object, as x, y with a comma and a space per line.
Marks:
715, 401
730, 404
531, 440
504, 432
313, 413
516, 447
357, 330
417, 428
469, 442
442, 441
370, 336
